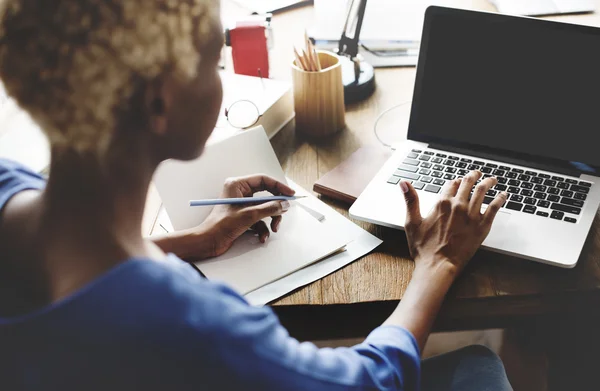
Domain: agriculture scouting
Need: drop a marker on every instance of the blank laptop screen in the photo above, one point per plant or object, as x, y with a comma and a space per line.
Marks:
509, 84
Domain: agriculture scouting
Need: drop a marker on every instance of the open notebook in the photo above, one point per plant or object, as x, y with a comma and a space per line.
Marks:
249, 265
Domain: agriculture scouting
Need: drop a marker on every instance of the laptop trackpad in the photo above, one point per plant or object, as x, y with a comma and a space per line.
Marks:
501, 232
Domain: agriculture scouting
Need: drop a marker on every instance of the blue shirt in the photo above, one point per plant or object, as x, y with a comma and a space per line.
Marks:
148, 325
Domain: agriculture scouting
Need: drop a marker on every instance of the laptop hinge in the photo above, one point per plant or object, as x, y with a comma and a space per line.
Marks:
565, 169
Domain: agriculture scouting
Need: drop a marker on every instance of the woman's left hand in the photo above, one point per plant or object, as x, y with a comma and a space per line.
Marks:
228, 222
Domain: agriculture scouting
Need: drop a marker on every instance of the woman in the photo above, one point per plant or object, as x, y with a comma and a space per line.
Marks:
87, 303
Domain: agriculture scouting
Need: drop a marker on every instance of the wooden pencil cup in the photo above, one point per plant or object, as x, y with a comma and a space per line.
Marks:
319, 97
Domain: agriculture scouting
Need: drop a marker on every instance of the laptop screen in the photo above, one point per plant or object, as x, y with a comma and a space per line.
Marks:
521, 86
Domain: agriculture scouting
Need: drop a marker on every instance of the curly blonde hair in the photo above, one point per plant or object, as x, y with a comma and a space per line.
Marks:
75, 65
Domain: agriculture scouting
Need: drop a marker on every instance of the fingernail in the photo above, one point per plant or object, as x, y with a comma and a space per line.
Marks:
403, 186
277, 225
285, 205
505, 194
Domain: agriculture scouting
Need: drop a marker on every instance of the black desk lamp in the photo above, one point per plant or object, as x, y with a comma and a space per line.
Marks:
358, 76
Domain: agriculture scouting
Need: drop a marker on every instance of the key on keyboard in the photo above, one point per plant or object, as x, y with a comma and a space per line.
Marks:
432, 188
407, 175
418, 185
406, 167
514, 206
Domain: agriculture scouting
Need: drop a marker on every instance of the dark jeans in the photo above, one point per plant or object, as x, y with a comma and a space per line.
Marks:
474, 368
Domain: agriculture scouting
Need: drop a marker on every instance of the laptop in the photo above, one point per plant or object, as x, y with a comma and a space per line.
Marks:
544, 7
514, 97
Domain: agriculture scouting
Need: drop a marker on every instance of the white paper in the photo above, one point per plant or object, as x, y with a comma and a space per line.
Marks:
543, 7
249, 264
384, 19
249, 152
265, 6
362, 243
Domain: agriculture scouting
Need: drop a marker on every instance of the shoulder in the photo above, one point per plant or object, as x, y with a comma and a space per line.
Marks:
171, 290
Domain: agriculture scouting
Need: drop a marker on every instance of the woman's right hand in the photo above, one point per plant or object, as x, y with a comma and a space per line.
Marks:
455, 228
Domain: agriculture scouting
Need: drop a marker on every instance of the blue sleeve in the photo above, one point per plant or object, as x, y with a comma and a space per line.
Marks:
251, 341
15, 178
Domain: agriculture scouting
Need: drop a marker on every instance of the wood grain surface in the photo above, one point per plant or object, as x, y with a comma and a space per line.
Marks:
494, 291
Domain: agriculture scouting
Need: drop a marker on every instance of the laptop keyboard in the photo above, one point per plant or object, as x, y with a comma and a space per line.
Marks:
529, 191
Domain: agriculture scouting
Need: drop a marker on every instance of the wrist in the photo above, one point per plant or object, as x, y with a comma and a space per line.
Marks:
442, 270
192, 244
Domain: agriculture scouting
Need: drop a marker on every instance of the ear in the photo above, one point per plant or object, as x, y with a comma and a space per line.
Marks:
157, 100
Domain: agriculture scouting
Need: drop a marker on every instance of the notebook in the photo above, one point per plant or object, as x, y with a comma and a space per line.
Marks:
248, 265
351, 177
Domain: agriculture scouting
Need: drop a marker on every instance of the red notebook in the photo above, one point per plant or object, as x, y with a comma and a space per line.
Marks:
349, 179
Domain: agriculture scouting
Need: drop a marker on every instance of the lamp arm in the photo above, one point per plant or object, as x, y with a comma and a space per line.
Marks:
348, 45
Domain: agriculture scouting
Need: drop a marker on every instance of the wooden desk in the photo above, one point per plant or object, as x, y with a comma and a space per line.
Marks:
495, 290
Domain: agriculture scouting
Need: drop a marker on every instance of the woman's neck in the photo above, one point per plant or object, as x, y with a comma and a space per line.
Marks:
91, 214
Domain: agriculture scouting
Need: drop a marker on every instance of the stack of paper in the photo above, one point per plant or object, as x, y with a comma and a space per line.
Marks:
249, 265
262, 271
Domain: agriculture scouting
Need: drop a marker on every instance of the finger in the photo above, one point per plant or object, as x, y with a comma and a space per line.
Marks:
262, 182
479, 193
451, 188
262, 230
413, 211
275, 221
494, 207
464, 191
267, 209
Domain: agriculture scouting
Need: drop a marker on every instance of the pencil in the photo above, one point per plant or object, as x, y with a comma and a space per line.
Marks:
302, 62
242, 201
310, 48
309, 52
298, 60
308, 61
316, 56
